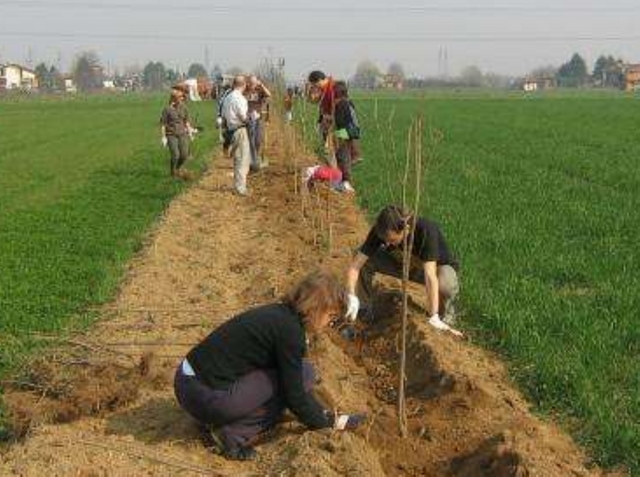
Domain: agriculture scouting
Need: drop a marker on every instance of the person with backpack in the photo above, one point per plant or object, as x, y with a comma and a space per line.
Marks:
347, 130
432, 265
239, 380
225, 139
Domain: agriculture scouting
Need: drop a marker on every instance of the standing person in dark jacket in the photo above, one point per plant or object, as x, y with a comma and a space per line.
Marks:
323, 90
239, 380
257, 95
176, 131
432, 264
347, 130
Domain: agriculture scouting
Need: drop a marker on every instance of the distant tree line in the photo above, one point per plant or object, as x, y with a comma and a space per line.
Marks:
369, 76
607, 72
88, 74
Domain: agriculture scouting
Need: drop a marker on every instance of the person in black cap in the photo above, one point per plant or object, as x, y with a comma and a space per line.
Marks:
432, 264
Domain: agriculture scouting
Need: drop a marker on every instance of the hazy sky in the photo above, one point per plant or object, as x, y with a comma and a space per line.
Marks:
506, 36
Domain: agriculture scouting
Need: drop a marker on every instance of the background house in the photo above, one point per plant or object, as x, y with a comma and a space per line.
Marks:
392, 81
632, 77
14, 76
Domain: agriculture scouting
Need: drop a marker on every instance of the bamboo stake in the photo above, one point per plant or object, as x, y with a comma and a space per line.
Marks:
415, 159
406, 257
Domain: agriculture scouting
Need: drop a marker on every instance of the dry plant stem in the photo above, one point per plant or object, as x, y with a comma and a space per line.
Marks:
385, 152
147, 343
294, 152
371, 424
413, 161
159, 309
402, 413
393, 156
317, 212
328, 220
157, 460
93, 347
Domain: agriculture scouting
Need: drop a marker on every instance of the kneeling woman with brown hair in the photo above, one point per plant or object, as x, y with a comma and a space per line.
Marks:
239, 380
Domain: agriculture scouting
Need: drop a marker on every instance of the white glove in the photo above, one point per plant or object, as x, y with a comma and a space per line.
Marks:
437, 323
308, 173
164, 141
353, 306
349, 421
218, 122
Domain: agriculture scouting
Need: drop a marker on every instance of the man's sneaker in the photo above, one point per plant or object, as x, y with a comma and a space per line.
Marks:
347, 187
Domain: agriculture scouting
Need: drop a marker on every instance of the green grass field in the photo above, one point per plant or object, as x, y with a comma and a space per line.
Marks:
537, 195
539, 198
81, 181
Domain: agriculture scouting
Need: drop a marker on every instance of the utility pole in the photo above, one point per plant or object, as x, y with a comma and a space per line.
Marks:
30, 57
446, 62
207, 60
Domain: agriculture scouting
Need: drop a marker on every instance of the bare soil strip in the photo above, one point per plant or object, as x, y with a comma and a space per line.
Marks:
102, 404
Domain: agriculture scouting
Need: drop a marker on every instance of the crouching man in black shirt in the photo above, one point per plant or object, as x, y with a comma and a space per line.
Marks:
239, 380
432, 263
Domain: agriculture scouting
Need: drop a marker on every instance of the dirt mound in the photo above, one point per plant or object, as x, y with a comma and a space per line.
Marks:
215, 254
464, 418
323, 454
495, 457
52, 392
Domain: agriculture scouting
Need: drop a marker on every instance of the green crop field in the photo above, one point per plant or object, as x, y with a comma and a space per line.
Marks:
81, 181
539, 196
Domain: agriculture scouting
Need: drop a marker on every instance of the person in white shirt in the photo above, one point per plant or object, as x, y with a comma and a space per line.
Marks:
235, 109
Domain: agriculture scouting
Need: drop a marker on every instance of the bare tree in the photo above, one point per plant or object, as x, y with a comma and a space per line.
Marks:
196, 70
367, 75
471, 76
396, 70
87, 71
154, 75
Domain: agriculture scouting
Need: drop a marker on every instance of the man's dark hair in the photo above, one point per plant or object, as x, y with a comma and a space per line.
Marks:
341, 90
392, 218
316, 76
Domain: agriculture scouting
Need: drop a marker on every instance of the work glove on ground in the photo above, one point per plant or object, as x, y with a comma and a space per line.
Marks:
348, 422
437, 323
164, 141
353, 306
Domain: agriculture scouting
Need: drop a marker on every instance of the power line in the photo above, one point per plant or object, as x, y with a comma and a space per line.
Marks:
280, 9
324, 39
